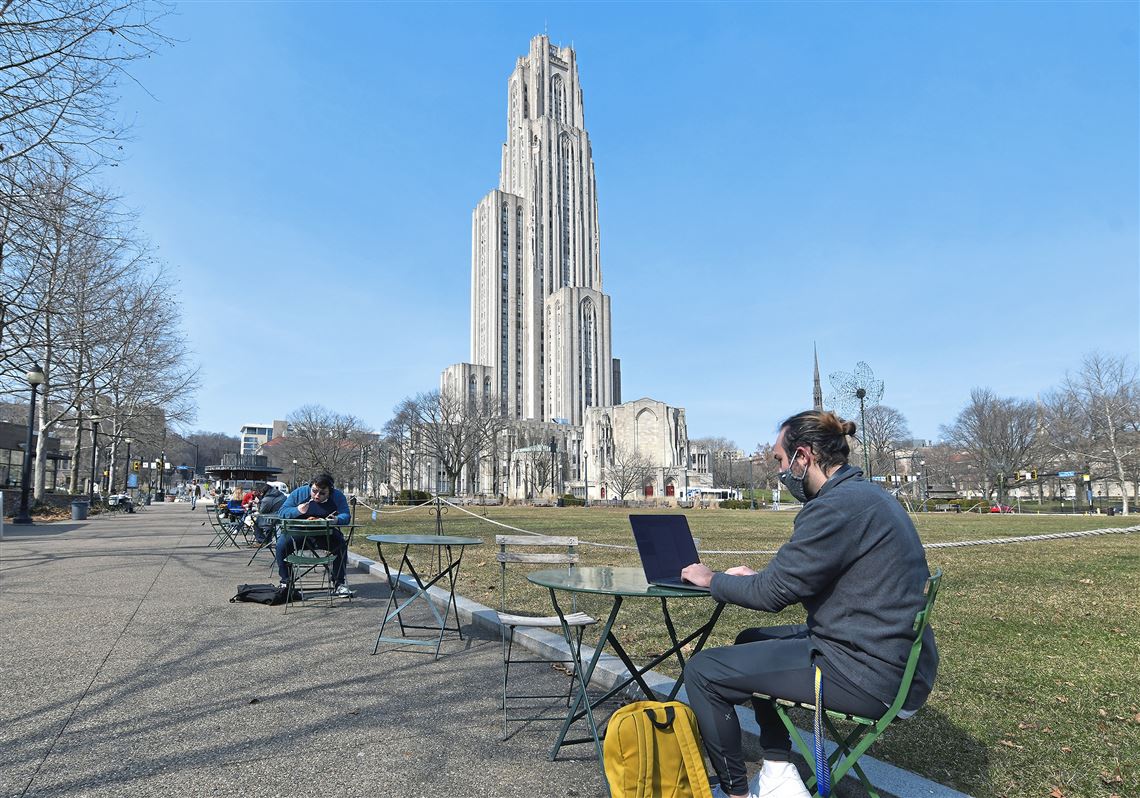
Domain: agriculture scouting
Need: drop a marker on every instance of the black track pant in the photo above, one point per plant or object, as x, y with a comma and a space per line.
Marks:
777, 661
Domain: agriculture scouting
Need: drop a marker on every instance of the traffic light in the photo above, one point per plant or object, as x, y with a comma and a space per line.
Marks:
136, 466
1033, 474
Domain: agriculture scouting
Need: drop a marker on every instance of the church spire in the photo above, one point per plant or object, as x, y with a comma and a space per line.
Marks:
816, 391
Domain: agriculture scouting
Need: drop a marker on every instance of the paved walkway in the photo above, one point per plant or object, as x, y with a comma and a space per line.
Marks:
125, 671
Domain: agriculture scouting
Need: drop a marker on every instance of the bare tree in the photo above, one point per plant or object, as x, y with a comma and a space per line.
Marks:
323, 440
764, 467
96, 315
1092, 418
60, 63
628, 472
457, 430
996, 435
212, 445
398, 440
886, 426
722, 453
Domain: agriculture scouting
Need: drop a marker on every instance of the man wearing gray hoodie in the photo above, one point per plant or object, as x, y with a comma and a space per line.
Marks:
855, 563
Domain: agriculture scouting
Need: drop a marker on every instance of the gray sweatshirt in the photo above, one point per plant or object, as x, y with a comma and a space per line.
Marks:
856, 564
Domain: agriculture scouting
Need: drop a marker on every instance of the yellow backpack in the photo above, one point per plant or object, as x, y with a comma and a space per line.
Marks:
653, 750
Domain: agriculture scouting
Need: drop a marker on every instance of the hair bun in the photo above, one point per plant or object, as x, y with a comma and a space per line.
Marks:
848, 427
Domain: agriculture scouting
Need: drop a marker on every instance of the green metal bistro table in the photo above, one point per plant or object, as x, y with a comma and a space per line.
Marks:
448, 543
619, 584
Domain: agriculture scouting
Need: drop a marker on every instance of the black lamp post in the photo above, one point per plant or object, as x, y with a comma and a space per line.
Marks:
294, 473
35, 379
751, 482
586, 473
127, 470
94, 457
195, 460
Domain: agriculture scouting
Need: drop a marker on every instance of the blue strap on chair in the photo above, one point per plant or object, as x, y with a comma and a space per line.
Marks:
822, 766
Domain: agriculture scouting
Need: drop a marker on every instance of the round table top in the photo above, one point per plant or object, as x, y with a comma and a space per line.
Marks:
425, 540
609, 581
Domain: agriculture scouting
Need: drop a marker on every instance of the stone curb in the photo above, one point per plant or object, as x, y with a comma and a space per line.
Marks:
610, 671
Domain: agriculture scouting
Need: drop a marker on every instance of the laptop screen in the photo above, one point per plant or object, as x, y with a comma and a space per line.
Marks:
665, 545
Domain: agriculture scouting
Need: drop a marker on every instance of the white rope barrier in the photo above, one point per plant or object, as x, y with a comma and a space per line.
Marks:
955, 544
1032, 538
392, 512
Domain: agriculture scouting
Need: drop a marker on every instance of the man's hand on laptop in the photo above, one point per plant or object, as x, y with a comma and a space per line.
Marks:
697, 574
740, 570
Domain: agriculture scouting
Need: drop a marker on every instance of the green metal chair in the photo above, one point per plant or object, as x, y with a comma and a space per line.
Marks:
509, 552
224, 533
310, 565
850, 747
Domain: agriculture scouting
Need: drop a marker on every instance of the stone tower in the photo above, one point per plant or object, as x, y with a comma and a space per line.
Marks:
540, 323
816, 390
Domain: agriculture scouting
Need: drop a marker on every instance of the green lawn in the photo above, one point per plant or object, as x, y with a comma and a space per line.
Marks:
1037, 692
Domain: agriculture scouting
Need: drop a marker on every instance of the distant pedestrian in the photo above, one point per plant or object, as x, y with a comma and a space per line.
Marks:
195, 494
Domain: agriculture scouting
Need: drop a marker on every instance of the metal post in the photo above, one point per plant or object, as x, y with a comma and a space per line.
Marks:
294, 473
861, 393
35, 379
553, 454
94, 457
127, 470
586, 468
751, 483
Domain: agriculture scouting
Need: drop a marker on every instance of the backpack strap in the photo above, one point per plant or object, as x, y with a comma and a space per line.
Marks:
647, 757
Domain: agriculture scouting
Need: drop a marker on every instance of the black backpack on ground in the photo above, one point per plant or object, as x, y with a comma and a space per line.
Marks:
261, 594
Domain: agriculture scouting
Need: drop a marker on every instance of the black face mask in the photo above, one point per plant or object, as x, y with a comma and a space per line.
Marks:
794, 484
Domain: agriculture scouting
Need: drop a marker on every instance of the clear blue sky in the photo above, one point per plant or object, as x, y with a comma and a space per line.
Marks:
945, 191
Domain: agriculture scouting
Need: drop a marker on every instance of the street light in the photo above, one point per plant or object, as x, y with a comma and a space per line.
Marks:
923, 486
412, 475
35, 379
586, 469
294, 472
127, 470
94, 456
751, 483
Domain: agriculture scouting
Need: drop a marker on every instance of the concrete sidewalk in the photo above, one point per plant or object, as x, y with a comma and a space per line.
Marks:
125, 671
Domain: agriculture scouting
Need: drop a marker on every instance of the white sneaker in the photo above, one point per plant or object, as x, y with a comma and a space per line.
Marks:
778, 780
344, 591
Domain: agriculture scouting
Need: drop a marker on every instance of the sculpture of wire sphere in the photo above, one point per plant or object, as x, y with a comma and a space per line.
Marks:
855, 392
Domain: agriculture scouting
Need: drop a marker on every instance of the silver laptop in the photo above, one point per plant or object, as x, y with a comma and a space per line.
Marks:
666, 546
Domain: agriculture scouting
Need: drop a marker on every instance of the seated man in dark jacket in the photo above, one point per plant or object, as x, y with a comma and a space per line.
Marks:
269, 504
856, 565
318, 499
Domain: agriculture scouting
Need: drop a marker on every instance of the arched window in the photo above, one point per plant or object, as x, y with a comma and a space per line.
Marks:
587, 325
556, 98
564, 193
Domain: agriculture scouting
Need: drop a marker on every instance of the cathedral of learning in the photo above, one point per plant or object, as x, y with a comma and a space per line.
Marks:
541, 350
